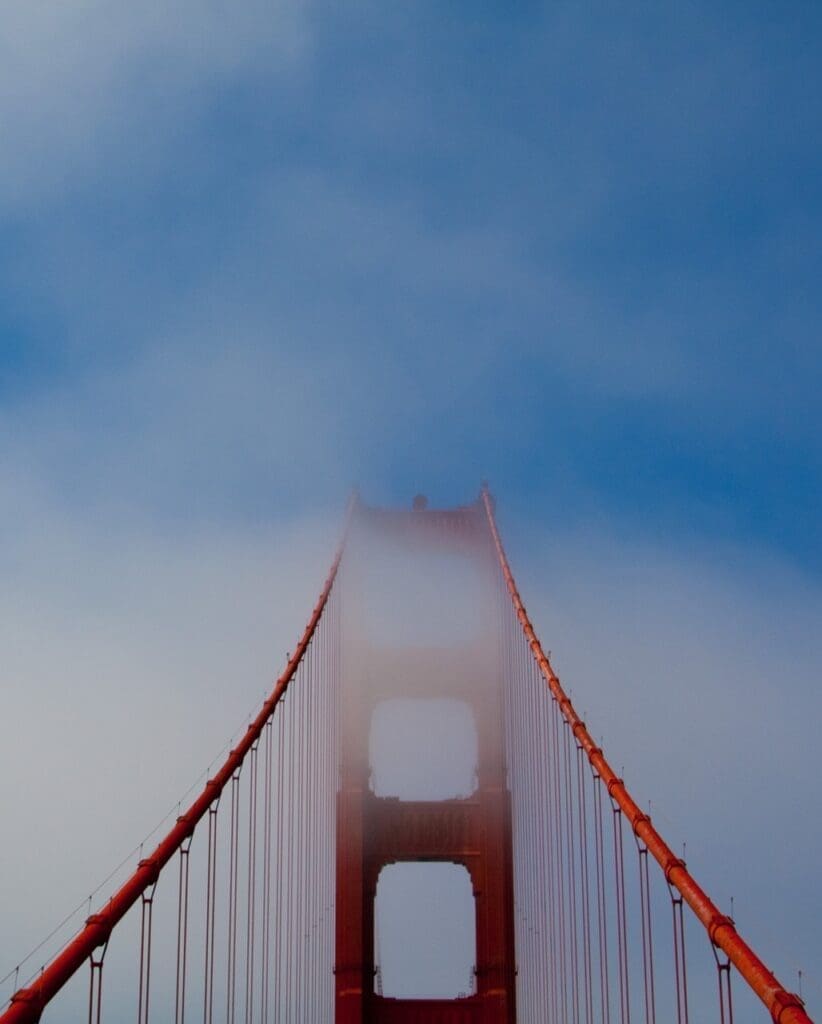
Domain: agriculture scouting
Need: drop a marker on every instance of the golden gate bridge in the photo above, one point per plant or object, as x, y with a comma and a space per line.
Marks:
261, 904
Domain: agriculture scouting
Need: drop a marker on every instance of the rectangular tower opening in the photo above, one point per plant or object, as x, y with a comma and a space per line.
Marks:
425, 931
423, 749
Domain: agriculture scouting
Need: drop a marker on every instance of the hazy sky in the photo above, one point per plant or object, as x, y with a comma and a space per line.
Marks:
251, 254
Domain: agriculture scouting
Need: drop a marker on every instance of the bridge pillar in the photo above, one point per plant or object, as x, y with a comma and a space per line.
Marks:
471, 830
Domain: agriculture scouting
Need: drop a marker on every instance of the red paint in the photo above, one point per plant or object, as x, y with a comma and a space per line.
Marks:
474, 832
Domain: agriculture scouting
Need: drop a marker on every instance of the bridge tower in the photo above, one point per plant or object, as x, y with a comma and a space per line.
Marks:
384, 657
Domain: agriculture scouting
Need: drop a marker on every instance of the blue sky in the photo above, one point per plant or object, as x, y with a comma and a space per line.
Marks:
571, 251
250, 257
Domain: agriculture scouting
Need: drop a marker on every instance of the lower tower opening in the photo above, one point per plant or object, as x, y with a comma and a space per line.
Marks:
425, 931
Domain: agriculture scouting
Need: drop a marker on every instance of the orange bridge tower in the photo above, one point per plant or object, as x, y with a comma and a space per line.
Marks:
422, 766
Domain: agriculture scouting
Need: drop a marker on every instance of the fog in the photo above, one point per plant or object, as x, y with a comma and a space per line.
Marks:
249, 261
130, 662
129, 659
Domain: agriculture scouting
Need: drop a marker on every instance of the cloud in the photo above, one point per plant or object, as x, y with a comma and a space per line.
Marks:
104, 83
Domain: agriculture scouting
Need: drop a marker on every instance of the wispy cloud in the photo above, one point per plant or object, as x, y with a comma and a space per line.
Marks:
105, 84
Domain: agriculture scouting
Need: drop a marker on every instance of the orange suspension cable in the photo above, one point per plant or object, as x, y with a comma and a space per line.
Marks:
784, 1007
27, 1004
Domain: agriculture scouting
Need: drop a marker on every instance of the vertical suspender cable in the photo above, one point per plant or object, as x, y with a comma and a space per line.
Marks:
585, 886
288, 945
95, 992
265, 957
602, 905
527, 824
621, 916
723, 970
251, 886
297, 935
233, 872
560, 865
279, 909
647, 935
210, 921
146, 909
547, 956
182, 934
680, 971
572, 872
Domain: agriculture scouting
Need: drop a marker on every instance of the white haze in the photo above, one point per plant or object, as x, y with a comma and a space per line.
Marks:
131, 653
699, 668
130, 657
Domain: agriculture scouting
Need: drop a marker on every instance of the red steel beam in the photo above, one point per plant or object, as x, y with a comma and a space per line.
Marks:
783, 1006
27, 1004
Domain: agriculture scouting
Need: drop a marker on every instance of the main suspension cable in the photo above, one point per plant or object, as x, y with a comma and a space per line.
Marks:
785, 1007
27, 1004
